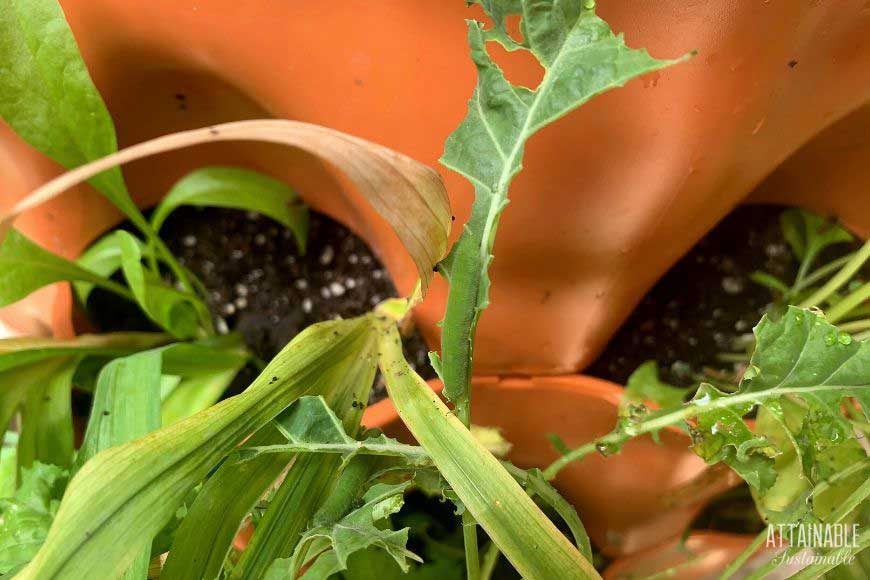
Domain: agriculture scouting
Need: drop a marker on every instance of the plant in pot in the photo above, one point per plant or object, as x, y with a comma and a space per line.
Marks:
300, 418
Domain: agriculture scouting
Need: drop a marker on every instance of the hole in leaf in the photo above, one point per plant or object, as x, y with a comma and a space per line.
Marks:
520, 66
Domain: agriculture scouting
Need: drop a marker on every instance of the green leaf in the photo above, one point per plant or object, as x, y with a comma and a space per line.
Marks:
128, 492
375, 564
310, 426
333, 544
16, 383
126, 403
193, 394
178, 313
535, 484
46, 420
28, 514
408, 195
15, 352
206, 534
486, 489
237, 188
9, 464
645, 386
26, 267
802, 369
126, 407
103, 258
808, 234
311, 482
770, 281
581, 58
48, 97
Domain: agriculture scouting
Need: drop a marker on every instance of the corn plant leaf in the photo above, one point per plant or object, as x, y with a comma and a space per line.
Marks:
9, 464
46, 420
126, 406
334, 543
535, 484
581, 58
26, 267
205, 535
126, 403
236, 188
27, 515
129, 492
192, 395
407, 194
312, 478
16, 352
48, 97
485, 488
176, 312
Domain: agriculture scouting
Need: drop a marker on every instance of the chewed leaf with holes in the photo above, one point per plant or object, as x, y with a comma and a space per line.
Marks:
310, 426
802, 374
332, 544
581, 58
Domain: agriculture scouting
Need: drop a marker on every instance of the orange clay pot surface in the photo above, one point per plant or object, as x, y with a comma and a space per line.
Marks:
704, 555
628, 502
610, 196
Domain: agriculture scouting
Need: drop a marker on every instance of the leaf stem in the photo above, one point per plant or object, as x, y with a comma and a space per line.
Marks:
821, 272
844, 275
469, 537
490, 559
842, 308
115, 288
688, 411
744, 556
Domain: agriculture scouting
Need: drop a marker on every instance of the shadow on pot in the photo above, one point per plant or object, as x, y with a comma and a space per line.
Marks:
628, 502
703, 555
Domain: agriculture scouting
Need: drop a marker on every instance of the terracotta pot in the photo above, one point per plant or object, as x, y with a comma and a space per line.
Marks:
610, 196
704, 555
628, 502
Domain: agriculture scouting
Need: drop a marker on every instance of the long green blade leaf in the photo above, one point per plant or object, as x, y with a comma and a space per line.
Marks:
20, 351
46, 420
129, 492
409, 195
207, 532
312, 477
26, 267
531, 542
237, 188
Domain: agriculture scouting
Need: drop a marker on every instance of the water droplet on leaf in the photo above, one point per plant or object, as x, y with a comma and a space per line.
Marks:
845, 338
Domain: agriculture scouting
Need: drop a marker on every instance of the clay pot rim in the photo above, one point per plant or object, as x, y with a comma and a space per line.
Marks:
383, 411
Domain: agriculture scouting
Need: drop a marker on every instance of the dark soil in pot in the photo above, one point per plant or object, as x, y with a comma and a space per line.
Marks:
706, 303
262, 287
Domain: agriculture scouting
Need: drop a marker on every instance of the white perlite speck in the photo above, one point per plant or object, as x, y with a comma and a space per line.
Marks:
327, 255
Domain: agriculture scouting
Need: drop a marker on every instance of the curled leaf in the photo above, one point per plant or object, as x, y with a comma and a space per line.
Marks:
408, 194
